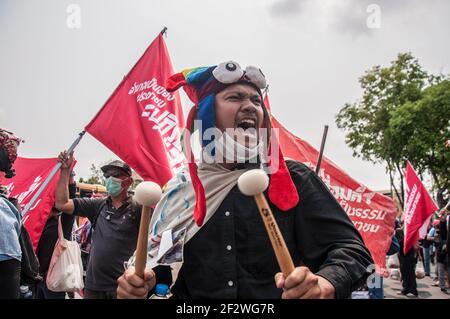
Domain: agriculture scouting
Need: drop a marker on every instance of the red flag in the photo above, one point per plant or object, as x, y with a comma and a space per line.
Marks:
266, 102
418, 207
141, 121
373, 214
30, 174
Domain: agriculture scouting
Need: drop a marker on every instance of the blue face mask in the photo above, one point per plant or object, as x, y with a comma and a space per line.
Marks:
114, 186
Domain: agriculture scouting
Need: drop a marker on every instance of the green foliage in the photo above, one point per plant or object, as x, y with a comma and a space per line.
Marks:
418, 132
403, 115
96, 176
384, 89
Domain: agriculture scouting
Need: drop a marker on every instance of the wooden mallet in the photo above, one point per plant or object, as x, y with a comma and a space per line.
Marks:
254, 183
146, 194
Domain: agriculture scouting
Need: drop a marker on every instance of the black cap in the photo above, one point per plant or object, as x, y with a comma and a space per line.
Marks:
117, 165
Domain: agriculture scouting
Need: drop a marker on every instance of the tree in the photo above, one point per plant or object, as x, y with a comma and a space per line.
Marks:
389, 92
419, 131
96, 176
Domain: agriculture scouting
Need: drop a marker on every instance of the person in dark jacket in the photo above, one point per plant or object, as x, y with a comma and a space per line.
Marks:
228, 253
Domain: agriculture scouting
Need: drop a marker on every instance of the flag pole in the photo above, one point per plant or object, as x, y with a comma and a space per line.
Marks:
446, 206
50, 176
322, 146
162, 32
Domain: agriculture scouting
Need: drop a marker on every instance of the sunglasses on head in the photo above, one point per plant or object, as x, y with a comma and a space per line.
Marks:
116, 174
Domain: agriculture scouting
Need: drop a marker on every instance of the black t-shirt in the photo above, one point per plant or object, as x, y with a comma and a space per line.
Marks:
113, 240
232, 257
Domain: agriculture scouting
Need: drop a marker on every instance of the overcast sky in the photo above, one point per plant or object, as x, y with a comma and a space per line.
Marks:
54, 78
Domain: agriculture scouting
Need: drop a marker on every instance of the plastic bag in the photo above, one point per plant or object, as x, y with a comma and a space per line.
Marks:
395, 274
420, 272
393, 261
65, 272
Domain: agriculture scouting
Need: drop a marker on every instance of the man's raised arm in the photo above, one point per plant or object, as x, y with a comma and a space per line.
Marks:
63, 203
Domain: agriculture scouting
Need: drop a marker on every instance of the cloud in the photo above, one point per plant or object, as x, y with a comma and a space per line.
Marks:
348, 18
344, 16
283, 8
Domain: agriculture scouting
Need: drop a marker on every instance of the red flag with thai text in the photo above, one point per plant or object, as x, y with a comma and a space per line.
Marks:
372, 213
30, 174
141, 121
418, 207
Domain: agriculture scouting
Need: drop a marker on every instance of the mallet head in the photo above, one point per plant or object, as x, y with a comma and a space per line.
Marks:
147, 193
253, 182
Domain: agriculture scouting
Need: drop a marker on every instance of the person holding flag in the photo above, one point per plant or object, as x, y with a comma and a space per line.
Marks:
227, 253
115, 220
418, 208
408, 261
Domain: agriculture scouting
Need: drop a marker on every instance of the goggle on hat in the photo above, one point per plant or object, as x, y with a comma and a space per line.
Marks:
201, 84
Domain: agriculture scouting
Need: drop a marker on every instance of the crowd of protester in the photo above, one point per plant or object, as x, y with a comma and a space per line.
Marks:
427, 258
106, 227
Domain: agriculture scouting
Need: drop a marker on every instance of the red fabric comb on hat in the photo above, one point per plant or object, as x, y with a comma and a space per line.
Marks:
282, 191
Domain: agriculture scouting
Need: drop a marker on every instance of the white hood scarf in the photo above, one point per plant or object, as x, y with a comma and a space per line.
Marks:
175, 210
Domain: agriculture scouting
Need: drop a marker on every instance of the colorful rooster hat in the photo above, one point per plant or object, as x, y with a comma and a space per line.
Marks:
201, 85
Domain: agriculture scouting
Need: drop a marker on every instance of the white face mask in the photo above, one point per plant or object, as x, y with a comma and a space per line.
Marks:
229, 150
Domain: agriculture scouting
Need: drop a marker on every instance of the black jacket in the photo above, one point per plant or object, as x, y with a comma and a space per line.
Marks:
232, 257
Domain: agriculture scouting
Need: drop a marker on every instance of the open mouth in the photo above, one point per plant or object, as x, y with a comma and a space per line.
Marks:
247, 123
246, 132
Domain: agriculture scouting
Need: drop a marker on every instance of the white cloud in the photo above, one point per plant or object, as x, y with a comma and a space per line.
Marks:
283, 8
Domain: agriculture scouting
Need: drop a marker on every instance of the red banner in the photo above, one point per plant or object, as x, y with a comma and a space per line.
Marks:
30, 174
373, 214
141, 121
418, 207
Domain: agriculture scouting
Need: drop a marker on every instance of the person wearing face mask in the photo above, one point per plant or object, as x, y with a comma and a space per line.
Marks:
227, 253
115, 220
